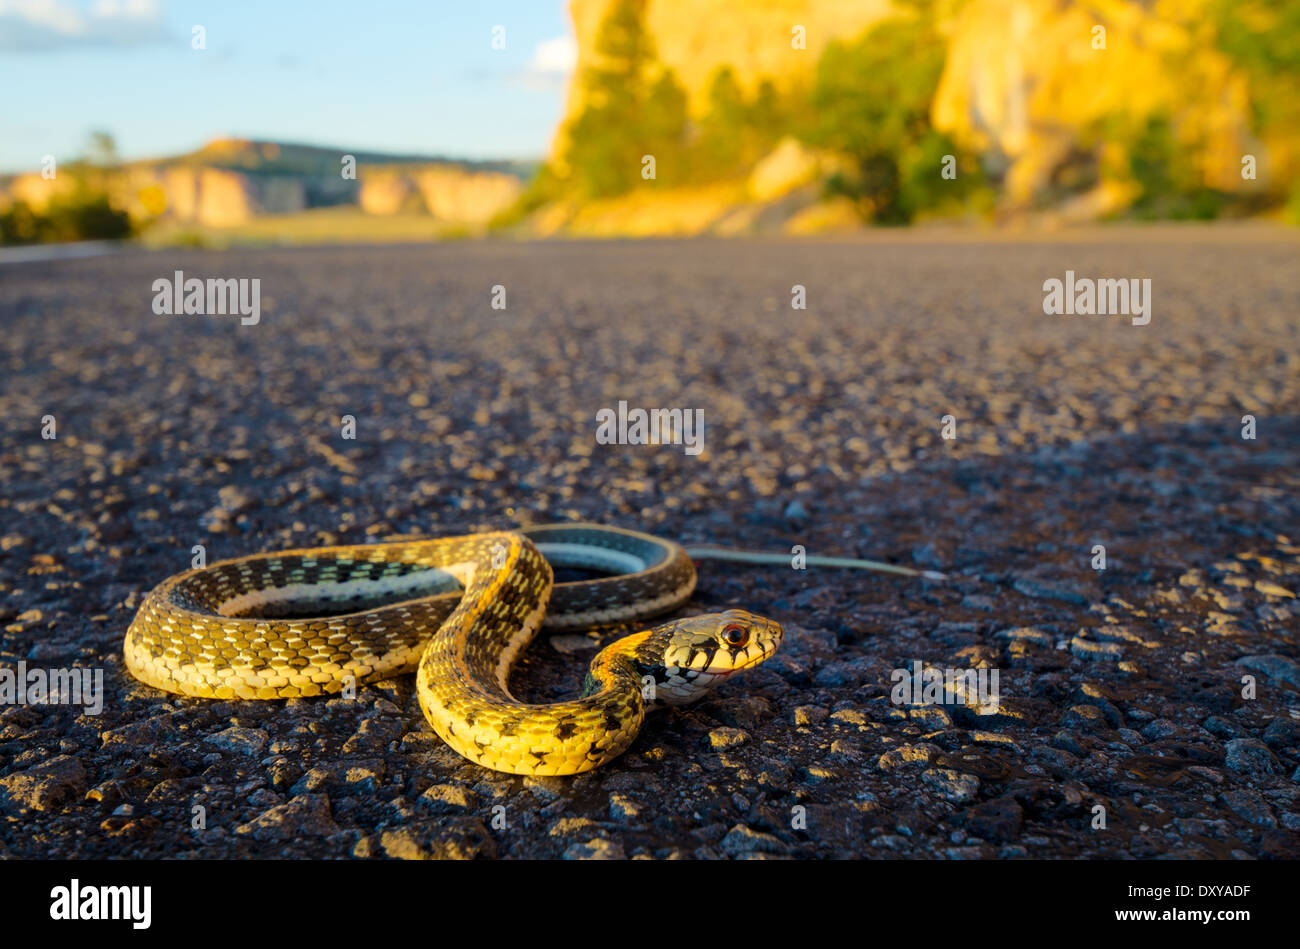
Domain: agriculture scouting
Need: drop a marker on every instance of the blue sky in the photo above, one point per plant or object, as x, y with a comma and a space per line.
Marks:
385, 75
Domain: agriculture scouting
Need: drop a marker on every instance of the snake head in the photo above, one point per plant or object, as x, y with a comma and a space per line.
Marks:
688, 657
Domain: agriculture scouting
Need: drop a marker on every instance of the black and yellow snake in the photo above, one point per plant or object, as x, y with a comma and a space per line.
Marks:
457, 611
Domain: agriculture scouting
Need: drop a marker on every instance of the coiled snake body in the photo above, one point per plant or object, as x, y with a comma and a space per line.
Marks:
457, 611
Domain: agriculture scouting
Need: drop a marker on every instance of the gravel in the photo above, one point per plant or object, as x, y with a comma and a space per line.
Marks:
1162, 690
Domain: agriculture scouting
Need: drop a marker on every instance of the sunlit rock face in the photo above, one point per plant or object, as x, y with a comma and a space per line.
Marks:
696, 38
1028, 81
447, 192
1029, 85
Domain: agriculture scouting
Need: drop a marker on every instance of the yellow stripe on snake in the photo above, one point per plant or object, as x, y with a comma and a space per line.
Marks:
458, 611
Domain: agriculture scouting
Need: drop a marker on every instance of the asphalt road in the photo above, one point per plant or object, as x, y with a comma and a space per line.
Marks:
1123, 727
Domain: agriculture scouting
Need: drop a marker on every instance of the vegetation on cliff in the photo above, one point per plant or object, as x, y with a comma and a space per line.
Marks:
80, 211
972, 106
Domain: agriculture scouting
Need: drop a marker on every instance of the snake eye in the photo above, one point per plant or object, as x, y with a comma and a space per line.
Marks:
734, 635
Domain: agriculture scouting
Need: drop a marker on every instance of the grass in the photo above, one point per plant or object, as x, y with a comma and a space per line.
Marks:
337, 225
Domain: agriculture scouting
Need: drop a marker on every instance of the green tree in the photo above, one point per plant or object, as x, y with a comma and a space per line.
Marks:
629, 111
720, 147
872, 99
1263, 38
737, 131
21, 225
81, 215
102, 150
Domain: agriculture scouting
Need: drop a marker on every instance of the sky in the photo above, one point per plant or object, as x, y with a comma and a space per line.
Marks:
405, 76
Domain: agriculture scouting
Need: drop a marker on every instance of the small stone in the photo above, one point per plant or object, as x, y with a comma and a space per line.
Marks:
849, 716
795, 511
810, 714
995, 738
1249, 806
149, 732
314, 780
1275, 667
45, 786
623, 807
240, 741
1027, 634
1282, 733
907, 754
1249, 756
835, 675
1051, 590
363, 776
307, 815
952, 785
1100, 652
1067, 742
999, 820
572, 825
741, 840
447, 838
1221, 727
446, 799
598, 848
728, 737
848, 749
1085, 717
1159, 728
1269, 588
930, 717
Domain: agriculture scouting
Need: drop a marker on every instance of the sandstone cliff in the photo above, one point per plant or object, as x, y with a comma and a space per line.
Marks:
232, 181
1027, 85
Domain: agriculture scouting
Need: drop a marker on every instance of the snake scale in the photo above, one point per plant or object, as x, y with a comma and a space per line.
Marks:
457, 611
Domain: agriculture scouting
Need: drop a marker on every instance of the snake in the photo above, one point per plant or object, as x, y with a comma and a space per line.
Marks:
458, 612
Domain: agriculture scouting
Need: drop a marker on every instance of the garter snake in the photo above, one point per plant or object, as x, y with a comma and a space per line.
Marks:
457, 611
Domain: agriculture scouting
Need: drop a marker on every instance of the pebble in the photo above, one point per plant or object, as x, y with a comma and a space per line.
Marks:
305, 815
907, 754
1274, 666
240, 741
810, 714
463, 838
623, 807
952, 785
1249, 756
743, 840
1249, 806
598, 848
45, 786
1282, 733
447, 799
727, 737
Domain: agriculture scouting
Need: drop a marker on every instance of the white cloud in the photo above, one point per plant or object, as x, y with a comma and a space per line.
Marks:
552, 64
555, 57
37, 25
